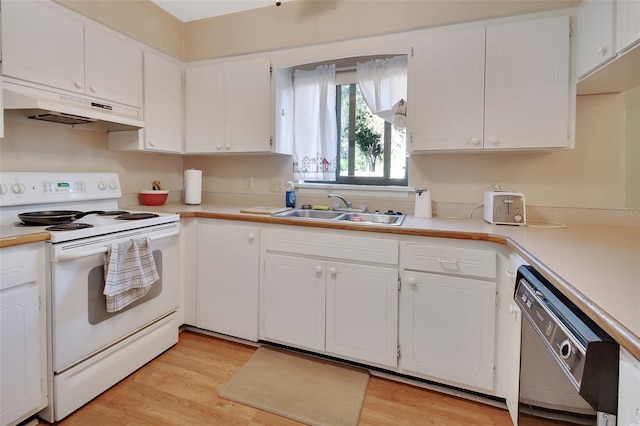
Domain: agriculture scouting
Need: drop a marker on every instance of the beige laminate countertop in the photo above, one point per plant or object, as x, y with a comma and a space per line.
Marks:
596, 266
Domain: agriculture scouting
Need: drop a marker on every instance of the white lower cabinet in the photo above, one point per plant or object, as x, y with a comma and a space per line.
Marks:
447, 319
447, 328
294, 301
227, 279
362, 312
346, 308
629, 390
23, 384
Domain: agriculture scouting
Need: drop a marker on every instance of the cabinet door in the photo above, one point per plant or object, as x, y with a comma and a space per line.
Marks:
594, 35
247, 113
362, 313
162, 104
43, 45
527, 84
629, 390
204, 125
447, 328
447, 79
627, 23
227, 279
113, 68
294, 301
19, 352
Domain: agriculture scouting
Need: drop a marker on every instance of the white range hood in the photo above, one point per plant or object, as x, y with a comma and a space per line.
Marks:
47, 104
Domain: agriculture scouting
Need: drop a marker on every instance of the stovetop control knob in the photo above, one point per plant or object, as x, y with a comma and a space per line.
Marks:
566, 348
17, 188
113, 184
101, 185
3, 189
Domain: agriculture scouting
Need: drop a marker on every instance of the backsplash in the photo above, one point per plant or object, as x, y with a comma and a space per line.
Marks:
591, 177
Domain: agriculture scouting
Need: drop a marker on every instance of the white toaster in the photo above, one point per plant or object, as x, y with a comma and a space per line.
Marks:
504, 208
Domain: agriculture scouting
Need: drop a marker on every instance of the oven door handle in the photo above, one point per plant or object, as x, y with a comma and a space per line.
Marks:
63, 257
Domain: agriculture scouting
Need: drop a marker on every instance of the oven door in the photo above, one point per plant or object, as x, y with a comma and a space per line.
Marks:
80, 323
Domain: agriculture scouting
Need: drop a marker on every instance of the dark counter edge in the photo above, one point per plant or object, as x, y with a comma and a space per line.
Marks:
620, 333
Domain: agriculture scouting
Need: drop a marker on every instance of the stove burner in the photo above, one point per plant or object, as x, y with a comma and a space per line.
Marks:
69, 226
113, 213
136, 216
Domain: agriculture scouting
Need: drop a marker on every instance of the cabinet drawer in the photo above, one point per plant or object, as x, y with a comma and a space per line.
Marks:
18, 268
344, 247
448, 260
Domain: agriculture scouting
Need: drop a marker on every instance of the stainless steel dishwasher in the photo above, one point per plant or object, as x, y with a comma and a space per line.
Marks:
568, 364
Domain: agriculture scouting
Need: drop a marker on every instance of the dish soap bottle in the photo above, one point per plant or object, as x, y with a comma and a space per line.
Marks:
290, 196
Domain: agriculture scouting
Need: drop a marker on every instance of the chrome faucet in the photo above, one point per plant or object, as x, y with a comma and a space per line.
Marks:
344, 200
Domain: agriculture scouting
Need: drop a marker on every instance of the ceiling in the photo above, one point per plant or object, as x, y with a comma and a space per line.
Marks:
191, 10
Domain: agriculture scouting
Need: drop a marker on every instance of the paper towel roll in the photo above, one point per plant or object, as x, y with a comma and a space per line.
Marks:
192, 186
423, 203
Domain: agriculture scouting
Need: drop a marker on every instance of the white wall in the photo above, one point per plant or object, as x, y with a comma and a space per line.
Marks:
35, 146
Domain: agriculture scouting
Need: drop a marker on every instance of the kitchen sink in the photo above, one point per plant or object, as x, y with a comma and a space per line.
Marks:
331, 215
310, 214
379, 218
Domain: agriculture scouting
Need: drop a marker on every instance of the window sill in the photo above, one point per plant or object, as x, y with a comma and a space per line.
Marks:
355, 190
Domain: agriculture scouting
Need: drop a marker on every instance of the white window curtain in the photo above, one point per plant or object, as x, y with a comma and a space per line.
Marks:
383, 84
315, 146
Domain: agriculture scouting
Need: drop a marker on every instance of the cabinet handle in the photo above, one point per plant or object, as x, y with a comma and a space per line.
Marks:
493, 141
332, 271
317, 269
602, 50
475, 141
251, 237
411, 281
451, 261
283, 112
514, 311
77, 84
510, 274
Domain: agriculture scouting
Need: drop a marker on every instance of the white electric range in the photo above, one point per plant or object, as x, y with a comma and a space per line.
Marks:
89, 348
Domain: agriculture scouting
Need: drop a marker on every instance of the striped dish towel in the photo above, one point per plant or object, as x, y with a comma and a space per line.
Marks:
129, 271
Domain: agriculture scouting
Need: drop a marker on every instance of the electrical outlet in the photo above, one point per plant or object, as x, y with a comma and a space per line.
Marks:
276, 184
248, 183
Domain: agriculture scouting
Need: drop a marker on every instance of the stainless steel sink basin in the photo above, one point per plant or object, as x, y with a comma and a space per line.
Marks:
310, 214
331, 215
375, 218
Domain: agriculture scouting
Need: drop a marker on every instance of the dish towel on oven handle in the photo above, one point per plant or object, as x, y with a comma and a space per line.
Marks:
129, 271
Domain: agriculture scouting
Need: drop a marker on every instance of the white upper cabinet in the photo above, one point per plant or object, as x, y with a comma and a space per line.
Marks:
46, 45
627, 24
228, 106
594, 33
500, 87
607, 39
162, 110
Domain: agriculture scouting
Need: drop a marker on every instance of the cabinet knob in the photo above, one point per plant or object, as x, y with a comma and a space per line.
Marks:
227, 146
332, 271
317, 269
77, 84
93, 89
493, 141
151, 142
602, 50
475, 141
251, 237
411, 281
218, 147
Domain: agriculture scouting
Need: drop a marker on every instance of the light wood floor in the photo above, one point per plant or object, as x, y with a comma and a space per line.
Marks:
180, 388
